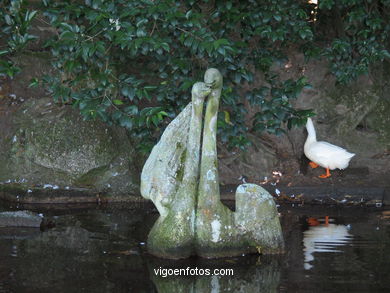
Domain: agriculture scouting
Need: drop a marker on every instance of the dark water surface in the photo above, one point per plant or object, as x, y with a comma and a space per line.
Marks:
102, 249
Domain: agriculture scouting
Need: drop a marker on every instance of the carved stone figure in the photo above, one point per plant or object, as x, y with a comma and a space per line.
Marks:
182, 181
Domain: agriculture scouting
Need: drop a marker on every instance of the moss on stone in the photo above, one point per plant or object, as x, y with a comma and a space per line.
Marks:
180, 170
14, 188
379, 120
89, 179
52, 144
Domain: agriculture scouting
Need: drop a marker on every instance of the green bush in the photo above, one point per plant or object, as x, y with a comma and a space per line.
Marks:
15, 21
133, 62
118, 62
359, 35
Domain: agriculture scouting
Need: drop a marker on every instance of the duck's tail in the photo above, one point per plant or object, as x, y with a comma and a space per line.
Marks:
347, 157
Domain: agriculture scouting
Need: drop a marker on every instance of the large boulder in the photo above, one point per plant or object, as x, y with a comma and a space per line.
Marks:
51, 146
20, 219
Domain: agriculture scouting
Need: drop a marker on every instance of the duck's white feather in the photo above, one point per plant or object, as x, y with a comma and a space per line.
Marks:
323, 153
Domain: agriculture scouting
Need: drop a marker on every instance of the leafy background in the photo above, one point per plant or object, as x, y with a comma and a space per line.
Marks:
133, 62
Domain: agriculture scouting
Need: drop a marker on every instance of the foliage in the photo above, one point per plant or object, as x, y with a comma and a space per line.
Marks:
15, 22
116, 59
360, 35
133, 62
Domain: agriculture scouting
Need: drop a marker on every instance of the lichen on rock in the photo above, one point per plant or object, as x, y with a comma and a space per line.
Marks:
185, 190
51, 144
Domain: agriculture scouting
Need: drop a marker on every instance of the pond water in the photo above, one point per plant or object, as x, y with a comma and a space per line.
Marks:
102, 249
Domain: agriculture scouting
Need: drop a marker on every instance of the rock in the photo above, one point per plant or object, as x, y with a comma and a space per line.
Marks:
257, 215
50, 145
257, 162
379, 120
20, 219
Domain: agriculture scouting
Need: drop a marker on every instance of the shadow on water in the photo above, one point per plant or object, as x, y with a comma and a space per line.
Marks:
102, 249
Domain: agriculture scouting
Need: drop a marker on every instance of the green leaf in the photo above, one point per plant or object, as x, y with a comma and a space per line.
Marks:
221, 42
66, 26
155, 120
128, 92
117, 115
34, 82
30, 15
165, 46
186, 85
277, 17
8, 19
326, 4
126, 121
131, 110
117, 102
227, 117
163, 113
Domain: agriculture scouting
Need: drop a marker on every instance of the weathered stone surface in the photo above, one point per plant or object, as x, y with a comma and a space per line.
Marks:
49, 145
173, 234
257, 216
218, 234
192, 218
20, 219
164, 168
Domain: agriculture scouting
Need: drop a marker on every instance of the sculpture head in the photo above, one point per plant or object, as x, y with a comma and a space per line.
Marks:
213, 78
200, 90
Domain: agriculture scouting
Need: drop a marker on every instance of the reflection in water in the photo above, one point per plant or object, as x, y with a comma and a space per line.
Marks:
324, 238
102, 250
250, 275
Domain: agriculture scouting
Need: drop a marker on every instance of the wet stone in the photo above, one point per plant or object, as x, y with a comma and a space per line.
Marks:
20, 219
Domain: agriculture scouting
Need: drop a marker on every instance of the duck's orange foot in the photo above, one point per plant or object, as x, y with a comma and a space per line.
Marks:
313, 165
326, 175
312, 222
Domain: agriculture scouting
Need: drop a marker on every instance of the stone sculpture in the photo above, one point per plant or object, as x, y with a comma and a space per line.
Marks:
182, 181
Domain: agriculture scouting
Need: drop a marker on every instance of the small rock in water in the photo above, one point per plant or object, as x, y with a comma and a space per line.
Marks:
20, 219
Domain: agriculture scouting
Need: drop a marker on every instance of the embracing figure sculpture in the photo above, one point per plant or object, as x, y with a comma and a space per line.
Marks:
182, 181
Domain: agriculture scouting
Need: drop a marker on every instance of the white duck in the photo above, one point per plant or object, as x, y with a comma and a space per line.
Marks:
324, 154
